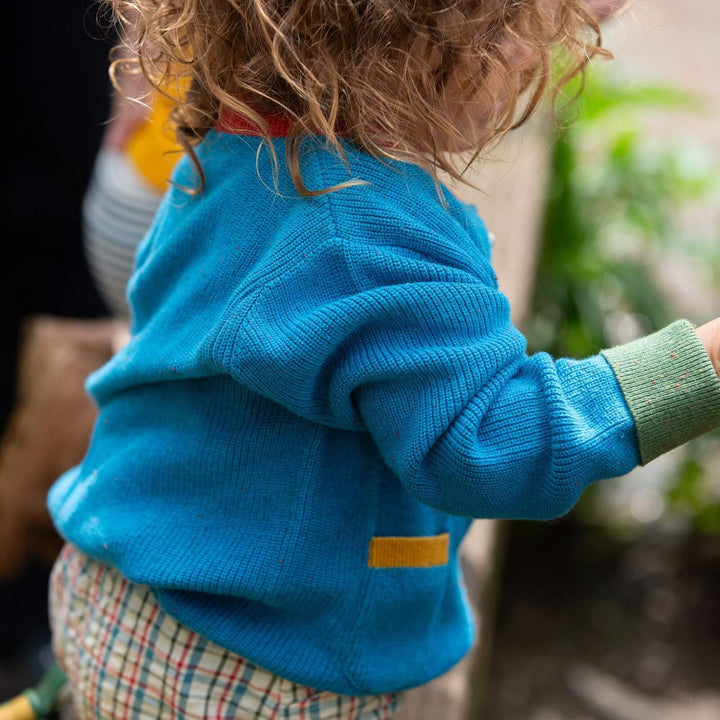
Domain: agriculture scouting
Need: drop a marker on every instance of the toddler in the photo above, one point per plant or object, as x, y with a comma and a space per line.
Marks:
323, 385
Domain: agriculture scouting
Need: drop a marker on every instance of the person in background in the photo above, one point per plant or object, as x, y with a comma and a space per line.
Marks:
53, 129
131, 173
49, 348
48, 415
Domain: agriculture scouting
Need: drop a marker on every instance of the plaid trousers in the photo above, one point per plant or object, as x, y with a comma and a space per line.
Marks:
126, 659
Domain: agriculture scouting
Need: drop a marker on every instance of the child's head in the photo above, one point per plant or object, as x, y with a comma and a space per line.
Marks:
415, 80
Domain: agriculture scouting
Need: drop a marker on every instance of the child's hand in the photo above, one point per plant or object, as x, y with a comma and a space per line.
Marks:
710, 336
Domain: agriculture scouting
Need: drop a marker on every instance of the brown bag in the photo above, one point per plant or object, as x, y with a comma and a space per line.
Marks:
48, 429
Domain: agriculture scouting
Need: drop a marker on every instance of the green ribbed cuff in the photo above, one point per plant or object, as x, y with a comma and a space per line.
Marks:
670, 386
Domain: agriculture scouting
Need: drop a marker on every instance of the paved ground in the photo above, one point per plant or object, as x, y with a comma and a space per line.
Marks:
593, 628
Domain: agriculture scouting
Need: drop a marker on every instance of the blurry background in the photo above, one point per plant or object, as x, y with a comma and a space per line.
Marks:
56, 98
612, 612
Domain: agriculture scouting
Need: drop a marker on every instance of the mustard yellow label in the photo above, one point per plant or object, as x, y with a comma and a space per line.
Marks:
408, 552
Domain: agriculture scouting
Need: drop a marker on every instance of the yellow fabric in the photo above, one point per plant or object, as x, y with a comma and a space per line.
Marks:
153, 148
397, 552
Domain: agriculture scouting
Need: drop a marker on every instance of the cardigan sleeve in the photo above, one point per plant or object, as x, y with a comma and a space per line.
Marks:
417, 349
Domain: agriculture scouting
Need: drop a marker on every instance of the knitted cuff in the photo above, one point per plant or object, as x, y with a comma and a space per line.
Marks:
670, 386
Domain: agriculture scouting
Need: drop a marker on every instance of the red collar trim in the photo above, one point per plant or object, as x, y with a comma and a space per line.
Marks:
231, 122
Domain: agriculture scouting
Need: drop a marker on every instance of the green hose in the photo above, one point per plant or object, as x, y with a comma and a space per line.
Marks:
43, 696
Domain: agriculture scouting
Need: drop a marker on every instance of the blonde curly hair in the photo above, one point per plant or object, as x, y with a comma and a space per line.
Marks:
392, 76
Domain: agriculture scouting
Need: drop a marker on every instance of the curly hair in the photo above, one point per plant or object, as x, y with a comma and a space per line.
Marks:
395, 77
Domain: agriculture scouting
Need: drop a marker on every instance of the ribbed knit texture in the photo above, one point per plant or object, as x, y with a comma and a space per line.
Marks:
306, 375
670, 385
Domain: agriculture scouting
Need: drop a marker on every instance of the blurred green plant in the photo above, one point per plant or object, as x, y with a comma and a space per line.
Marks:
614, 206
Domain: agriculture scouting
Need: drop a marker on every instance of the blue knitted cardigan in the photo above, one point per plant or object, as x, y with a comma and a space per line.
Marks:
319, 395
